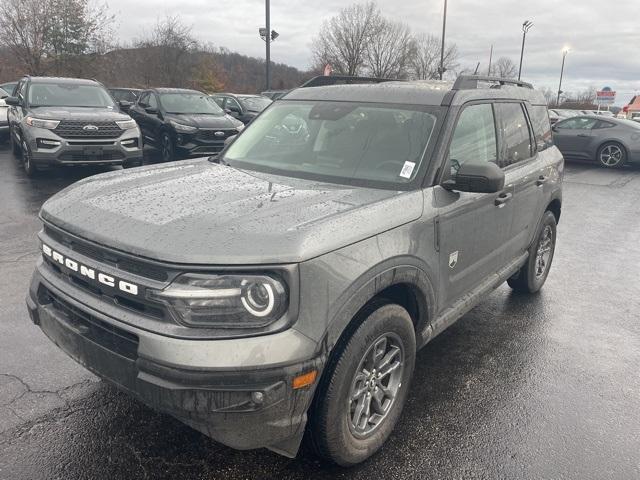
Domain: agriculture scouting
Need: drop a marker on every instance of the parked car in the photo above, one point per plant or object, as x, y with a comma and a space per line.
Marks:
70, 121
125, 97
9, 87
288, 283
183, 123
274, 94
611, 142
242, 107
4, 123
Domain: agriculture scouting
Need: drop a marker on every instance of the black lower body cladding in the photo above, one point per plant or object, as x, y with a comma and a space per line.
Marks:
243, 408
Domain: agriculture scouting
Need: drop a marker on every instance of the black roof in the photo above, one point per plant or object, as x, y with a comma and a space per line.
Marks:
173, 90
241, 95
74, 81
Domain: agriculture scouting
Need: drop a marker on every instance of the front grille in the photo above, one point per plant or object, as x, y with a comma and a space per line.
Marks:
101, 256
76, 129
82, 157
209, 135
104, 334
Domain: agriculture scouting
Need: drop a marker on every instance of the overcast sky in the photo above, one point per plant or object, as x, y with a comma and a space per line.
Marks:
604, 36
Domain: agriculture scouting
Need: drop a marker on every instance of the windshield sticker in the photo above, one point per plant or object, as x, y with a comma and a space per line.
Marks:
407, 169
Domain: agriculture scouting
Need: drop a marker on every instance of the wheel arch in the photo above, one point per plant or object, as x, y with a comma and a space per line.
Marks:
602, 143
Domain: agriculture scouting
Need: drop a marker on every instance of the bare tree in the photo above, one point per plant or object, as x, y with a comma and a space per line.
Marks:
24, 30
504, 68
425, 61
389, 50
343, 40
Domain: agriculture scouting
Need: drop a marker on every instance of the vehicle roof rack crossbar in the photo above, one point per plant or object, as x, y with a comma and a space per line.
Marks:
323, 80
471, 82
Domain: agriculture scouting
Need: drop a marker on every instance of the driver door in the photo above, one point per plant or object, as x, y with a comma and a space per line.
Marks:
474, 228
573, 136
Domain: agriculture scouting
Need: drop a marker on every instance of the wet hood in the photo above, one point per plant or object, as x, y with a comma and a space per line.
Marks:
198, 212
204, 121
79, 113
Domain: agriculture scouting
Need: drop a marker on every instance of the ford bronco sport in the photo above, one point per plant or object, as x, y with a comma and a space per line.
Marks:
284, 286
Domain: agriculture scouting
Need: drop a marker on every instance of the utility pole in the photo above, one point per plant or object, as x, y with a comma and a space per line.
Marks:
525, 28
444, 28
268, 43
490, 58
564, 55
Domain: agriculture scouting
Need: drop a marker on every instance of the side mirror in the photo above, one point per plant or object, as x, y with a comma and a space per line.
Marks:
125, 105
232, 109
477, 178
12, 101
151, 110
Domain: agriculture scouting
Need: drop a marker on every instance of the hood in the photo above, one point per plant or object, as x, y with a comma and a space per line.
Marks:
198, 212
79, 113
204, 121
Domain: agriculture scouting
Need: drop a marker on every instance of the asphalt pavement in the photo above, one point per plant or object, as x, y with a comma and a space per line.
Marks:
522, 387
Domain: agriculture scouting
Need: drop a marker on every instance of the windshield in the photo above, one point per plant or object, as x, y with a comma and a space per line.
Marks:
255, 104
190, 103
342, 142
125, 95
69, 95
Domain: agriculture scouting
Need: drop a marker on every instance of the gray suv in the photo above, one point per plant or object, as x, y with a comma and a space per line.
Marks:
68, 121
285, 286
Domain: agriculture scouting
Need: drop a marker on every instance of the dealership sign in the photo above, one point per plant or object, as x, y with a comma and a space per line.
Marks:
606, 96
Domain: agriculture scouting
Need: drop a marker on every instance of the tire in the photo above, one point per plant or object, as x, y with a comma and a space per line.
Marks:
132, 164
167, 148
611, 155
27, 161
334, 432
531, 277
15, 148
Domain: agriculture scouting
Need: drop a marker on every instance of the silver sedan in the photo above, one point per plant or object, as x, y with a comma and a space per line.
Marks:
611, 142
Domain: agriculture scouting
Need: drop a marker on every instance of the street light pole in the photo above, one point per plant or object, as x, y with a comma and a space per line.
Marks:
525, 28
564, 55
444, 28
268, 43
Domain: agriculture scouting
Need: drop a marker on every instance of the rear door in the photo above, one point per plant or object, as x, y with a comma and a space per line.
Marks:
474, 228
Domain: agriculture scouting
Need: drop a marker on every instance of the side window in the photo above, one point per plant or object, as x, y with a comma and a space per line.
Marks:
219, 101
516, 142
143, 101
541, 126
153, 103
602, 124
474, 138
577, 123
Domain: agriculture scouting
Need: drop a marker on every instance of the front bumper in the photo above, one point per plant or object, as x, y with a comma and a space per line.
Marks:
84, 151
197, 381
204, 142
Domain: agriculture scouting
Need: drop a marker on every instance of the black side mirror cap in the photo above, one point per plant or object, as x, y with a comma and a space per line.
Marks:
125, 105
151, 110
12, 101
484, 177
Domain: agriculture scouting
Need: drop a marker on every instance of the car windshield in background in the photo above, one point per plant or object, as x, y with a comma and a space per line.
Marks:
255, 104
190, 103
340, 142
69, 95
124, 95
3, 93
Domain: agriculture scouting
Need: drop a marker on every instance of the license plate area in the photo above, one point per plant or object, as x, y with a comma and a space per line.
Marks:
92, 151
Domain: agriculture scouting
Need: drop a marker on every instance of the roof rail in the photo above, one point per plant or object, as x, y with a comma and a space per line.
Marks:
323, 80
470, 82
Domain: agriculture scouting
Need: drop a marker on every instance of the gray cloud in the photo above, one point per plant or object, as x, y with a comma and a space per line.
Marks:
603, 35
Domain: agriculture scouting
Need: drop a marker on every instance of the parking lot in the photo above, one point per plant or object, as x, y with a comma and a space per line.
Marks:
521, 387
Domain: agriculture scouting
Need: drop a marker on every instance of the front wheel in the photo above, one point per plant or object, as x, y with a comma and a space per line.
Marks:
364, 388
27, 160
612, 155
15, 147
531, 277
167, 148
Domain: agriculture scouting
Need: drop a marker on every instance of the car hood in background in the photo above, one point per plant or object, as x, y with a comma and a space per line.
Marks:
198, 212
79, 113
204, 121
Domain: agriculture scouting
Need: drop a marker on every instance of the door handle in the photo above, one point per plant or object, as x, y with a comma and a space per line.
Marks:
583, 135
503, 198
542, 179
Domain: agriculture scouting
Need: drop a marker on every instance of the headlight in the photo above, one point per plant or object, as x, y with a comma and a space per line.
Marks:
40, 123
127, 124
183, 128
224, 301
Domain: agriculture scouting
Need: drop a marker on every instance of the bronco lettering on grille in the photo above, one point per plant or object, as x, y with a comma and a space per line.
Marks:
89, 272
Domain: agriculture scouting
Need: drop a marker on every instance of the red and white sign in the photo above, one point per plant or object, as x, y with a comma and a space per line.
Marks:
606, 96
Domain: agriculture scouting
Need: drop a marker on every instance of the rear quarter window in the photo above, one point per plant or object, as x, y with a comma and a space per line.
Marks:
539, 116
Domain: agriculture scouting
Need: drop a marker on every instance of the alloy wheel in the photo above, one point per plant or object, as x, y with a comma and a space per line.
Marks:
375, 385
543, 253
611, 155
167, 149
